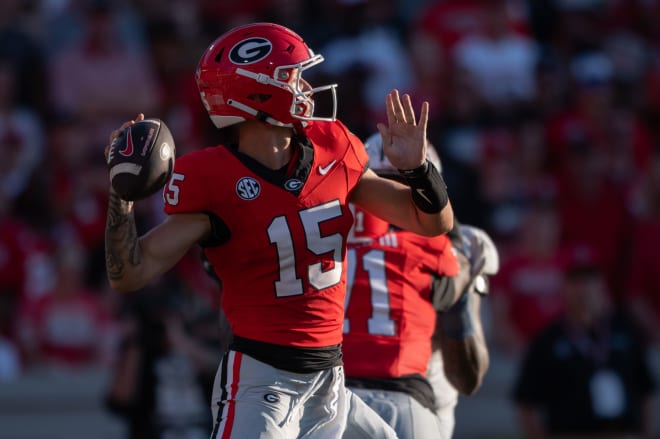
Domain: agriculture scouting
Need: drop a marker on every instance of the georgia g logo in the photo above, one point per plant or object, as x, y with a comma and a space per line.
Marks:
272, 397
250, 50
248, 188
293, 184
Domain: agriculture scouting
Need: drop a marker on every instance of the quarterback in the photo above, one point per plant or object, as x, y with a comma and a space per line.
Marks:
270, 207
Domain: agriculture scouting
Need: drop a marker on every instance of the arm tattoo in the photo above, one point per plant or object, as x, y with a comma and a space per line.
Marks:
121, 238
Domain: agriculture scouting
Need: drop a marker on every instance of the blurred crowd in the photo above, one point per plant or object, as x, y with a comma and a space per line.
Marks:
545, 113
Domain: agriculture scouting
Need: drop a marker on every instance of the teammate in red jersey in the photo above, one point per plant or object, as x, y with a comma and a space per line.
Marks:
397, 282
271, 210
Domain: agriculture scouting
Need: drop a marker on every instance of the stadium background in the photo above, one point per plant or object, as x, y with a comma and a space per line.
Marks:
544, 112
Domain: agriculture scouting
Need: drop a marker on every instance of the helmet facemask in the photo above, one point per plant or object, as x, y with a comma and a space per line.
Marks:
302, 102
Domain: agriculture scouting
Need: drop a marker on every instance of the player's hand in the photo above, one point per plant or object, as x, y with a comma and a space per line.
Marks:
116, 133
404, 138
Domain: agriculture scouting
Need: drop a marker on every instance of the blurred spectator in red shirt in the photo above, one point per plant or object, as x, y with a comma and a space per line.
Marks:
513, 173
595, 149
593, 117
643, 286
78, 190
179, 104
101, 79
36, 265
69, 326
26, 269
527, 291
438, 28
501, 61
593, 209
448, 22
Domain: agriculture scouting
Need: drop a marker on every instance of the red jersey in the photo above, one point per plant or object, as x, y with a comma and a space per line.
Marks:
450, 21
599, 219
389, 316
533, 288
282, 266
67, 327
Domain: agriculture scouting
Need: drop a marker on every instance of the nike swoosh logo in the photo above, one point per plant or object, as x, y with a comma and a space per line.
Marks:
128, 151
423, 195
324, 170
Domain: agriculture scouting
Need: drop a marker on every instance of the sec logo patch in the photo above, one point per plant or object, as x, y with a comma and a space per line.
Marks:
248, 188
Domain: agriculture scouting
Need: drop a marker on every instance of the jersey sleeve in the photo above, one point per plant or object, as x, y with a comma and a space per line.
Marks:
334, 141
356, 153
436, 253
446, 263
187, 191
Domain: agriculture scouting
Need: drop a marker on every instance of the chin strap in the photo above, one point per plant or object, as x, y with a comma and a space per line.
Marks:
259, 115
259, 77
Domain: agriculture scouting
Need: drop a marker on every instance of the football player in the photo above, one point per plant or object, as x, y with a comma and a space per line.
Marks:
270, 207
460, 356
397, 282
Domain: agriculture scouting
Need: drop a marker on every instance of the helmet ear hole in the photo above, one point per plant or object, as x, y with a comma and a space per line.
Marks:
218, 57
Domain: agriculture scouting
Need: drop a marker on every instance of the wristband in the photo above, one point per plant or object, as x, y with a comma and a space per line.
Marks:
457, 321
429, 191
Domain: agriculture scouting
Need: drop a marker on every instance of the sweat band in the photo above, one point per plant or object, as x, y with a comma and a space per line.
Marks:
429, 191
457, 321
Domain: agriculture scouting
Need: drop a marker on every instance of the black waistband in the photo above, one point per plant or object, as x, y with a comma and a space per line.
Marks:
293, 359
414, 385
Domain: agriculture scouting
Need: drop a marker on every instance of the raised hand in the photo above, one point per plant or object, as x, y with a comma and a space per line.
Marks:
404, 139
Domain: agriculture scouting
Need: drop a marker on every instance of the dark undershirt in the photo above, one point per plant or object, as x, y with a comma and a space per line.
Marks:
292, 359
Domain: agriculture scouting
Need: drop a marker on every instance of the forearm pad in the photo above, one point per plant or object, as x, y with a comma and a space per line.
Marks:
444, 292
429, 191
457, 321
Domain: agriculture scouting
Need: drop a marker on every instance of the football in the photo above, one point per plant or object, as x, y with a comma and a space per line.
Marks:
141, 159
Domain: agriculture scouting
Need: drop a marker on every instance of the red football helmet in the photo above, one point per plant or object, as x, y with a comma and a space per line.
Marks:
255, 72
